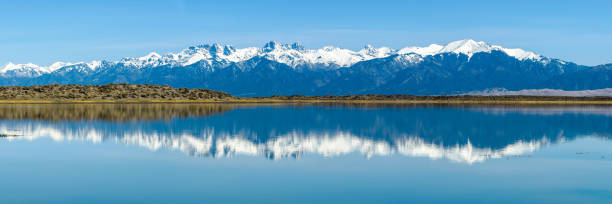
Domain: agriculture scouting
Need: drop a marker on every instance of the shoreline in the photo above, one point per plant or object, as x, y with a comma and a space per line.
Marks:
149, 94
313, 101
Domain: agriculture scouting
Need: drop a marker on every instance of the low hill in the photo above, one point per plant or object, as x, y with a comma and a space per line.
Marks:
106, 92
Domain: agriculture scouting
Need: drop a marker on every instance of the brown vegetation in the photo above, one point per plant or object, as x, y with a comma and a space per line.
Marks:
106, 92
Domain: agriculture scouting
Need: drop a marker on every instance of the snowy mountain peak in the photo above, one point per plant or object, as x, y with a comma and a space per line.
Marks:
58, 65
152, 55
371, 52
22, 70
10, 66
297, 46
369, 49
7, 67
228, 50
273, 45
469, 47
519, 53
466, 46
92, 65
424, 51
217, 49
151, 59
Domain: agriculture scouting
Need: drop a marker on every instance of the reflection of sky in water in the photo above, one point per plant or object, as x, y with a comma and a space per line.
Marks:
516, 155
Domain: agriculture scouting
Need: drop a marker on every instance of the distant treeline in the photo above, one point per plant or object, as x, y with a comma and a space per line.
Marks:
106, 92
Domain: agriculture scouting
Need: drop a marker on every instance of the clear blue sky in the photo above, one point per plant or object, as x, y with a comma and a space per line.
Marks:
43, 32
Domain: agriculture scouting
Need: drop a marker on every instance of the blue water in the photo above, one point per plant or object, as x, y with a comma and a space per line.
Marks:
305, 154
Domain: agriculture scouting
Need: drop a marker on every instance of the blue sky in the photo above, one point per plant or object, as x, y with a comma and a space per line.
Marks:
44, 32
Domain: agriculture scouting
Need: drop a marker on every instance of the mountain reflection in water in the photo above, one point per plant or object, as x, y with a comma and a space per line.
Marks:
465, 134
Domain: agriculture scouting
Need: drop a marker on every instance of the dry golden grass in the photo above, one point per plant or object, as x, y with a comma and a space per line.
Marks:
109, 111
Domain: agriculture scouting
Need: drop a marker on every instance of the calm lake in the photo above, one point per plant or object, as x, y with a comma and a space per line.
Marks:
240, 153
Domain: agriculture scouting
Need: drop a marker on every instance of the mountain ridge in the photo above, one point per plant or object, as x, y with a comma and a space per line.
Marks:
287, 69
279, 51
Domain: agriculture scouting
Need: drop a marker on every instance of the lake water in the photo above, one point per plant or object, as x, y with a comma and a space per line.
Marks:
305, 154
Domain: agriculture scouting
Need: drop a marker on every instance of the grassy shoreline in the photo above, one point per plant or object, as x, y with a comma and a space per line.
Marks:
543, 101
142, 94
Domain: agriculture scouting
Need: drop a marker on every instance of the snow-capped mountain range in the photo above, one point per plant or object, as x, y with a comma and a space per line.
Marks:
293, 55
328, 70
33, 70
